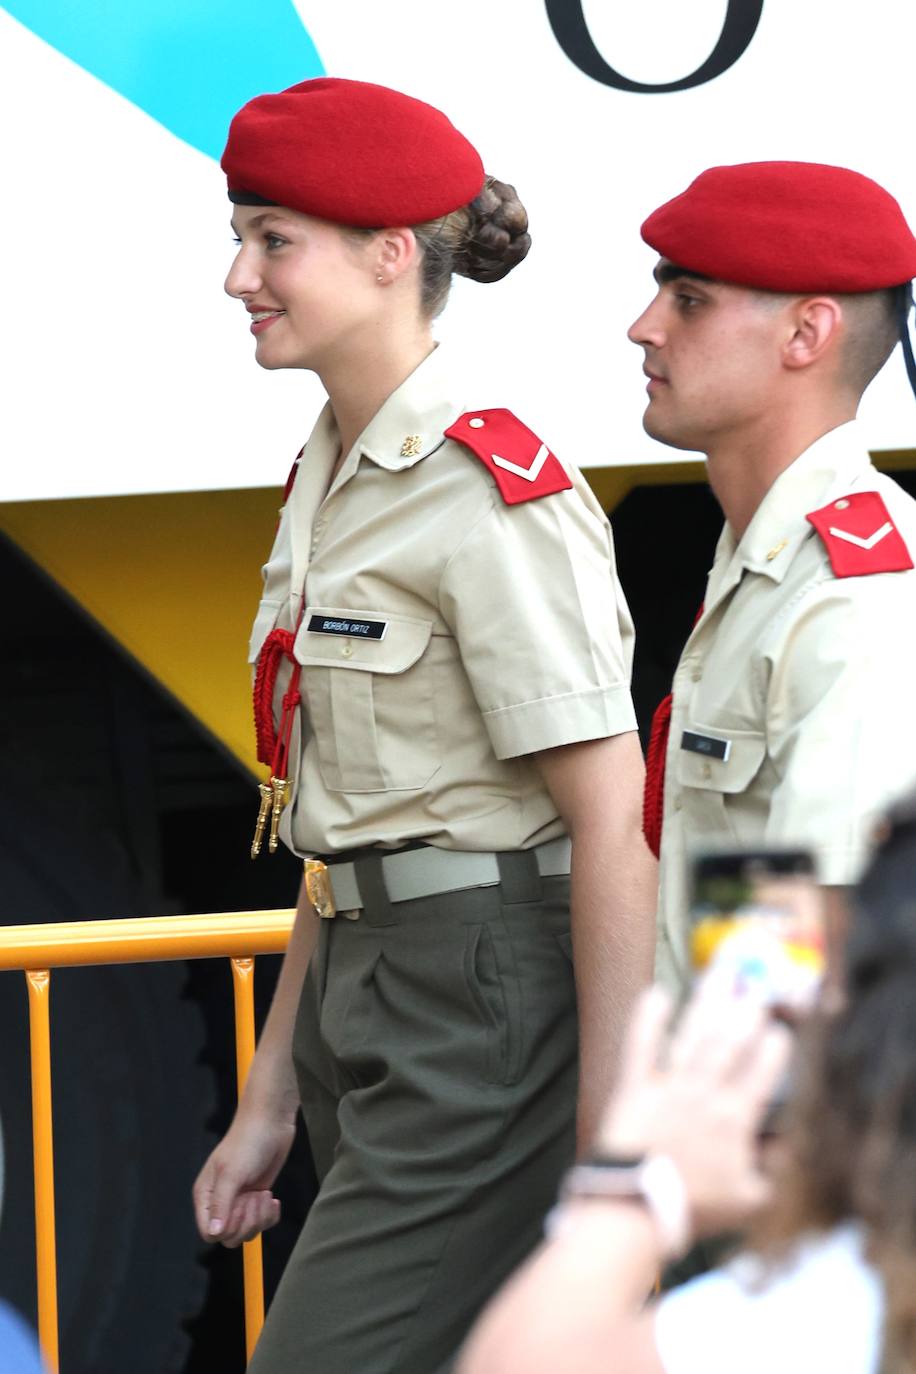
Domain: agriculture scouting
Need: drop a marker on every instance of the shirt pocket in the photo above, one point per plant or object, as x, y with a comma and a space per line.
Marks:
709, 784
371, 701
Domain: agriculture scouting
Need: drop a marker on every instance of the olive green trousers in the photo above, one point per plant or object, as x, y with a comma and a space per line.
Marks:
436, 1053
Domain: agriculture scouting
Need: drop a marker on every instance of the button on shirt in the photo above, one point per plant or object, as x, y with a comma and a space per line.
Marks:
445, 636
800, 684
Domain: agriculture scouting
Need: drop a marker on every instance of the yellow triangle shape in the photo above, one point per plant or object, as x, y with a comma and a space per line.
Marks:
174, 578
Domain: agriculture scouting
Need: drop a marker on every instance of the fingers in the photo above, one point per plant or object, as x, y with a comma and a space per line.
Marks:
731, 1049
767, 1064
646, 1032
252, 1214
225, 1214
219, 1201
623, 1124
717, 1032
224, 1198
202, 1198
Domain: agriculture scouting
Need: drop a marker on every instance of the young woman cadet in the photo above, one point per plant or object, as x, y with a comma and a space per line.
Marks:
442, 662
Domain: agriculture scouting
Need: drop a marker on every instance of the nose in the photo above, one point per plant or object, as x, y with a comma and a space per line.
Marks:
243, 278
649, 327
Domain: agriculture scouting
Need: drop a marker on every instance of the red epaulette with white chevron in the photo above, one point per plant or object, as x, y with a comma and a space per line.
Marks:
524, 468
860, 536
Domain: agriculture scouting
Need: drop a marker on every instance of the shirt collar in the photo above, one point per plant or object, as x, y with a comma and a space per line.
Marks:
411, 423
779, 525
409, 426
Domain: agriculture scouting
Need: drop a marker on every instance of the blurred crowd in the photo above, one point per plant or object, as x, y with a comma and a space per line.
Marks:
817, 1201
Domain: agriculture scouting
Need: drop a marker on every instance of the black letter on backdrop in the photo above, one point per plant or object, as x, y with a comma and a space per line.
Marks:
571, 32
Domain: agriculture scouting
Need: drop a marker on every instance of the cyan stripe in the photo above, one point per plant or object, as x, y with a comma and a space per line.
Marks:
188, 63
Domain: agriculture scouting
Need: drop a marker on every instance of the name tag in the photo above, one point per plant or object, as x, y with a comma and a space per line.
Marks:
708, 745
358, 629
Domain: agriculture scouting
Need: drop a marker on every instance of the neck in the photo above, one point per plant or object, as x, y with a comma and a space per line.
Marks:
742, 467
359, 382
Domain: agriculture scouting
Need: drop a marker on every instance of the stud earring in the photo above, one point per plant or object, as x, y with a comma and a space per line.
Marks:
380, 278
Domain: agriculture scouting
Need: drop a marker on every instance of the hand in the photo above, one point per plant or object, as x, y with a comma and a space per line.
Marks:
232, 1197
701, 1101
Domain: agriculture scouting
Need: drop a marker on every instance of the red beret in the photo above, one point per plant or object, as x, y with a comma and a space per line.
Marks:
786, 226
350, 152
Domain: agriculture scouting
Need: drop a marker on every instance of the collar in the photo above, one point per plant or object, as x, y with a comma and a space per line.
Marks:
411, 423
828, 468
409, 426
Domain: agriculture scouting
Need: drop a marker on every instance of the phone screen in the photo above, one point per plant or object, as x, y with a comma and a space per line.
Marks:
757, 920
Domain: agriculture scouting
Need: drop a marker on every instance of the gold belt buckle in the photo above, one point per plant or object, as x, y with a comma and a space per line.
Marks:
318, 888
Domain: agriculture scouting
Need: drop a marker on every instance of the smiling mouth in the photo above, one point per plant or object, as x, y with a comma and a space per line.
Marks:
264, 318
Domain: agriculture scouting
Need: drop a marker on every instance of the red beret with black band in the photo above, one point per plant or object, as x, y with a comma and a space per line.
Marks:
350, 152
786, 226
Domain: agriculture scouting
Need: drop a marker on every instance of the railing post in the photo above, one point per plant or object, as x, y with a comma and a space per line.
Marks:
36, 950
252, 1259
39, 986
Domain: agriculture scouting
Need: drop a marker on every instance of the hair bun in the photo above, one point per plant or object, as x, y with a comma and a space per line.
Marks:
497, 235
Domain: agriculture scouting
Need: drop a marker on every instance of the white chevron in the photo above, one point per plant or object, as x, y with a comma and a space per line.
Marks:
530, 474
861, 543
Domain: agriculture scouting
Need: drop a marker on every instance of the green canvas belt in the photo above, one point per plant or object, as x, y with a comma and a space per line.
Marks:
428, 871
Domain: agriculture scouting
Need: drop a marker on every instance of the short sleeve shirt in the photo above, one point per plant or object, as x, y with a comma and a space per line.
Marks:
494, 631
820, 1309
805, 682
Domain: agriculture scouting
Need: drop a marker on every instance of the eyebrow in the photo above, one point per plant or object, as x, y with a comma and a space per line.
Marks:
257, 220
667, 272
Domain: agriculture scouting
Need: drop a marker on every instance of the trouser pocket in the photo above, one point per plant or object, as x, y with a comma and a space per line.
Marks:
492, 981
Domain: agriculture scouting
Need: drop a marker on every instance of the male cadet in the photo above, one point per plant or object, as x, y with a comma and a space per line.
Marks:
782, 289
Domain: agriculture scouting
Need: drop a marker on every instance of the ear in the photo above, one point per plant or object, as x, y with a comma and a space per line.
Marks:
396, 251
816, 324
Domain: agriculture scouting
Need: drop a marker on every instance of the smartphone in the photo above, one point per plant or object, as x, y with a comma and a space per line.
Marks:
757, 921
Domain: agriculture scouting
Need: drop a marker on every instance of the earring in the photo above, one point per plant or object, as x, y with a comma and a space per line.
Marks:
380, 278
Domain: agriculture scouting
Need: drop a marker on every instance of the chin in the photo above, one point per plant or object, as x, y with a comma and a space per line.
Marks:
663, 434
668, 434
276, 361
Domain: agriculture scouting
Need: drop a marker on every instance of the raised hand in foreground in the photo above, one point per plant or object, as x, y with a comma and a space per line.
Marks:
693, 1105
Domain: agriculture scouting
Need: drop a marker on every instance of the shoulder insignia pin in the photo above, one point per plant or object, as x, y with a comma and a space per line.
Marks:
860, 536
524, 467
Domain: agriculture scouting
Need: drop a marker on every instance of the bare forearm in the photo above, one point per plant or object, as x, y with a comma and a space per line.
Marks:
600, 1274
613, 932
597, 787
271, 1082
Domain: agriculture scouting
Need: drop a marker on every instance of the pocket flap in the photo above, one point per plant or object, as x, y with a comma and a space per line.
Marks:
745, 753
372, 641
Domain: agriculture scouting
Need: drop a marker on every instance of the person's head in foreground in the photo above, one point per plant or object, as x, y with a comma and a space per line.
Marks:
353, 207
782, 290
831, 1282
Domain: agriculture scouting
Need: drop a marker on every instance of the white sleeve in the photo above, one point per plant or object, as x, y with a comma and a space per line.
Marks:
841, 731
822, 1310
533, 599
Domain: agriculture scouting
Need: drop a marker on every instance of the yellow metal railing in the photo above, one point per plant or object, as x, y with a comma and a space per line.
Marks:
235, 935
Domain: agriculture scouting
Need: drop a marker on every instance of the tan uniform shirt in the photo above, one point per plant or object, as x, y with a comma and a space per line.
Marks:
808, 677
505, 632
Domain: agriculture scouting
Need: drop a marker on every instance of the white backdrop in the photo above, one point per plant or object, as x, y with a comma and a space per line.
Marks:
126, 369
